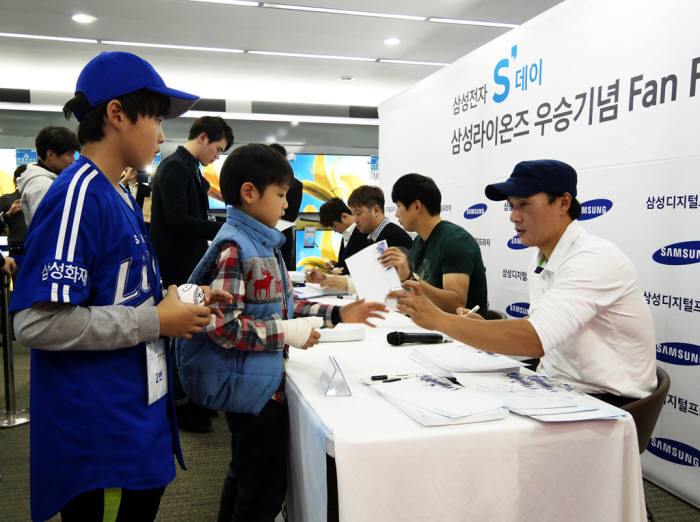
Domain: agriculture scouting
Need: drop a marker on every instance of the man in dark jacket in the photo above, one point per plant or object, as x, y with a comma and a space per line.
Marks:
336, 215
180, 226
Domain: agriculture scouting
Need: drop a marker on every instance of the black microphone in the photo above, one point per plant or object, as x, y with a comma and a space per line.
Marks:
397, 338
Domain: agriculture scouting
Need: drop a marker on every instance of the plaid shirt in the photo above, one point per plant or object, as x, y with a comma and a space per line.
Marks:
243, 332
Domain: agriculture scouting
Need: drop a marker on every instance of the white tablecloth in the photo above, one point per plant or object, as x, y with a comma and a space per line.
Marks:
391, 468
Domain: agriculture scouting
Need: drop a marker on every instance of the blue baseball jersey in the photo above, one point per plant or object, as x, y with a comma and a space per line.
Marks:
91, 425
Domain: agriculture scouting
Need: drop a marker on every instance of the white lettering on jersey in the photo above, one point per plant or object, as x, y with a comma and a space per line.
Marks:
121, 294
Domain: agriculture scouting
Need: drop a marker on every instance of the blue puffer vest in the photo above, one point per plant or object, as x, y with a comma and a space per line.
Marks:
226, 378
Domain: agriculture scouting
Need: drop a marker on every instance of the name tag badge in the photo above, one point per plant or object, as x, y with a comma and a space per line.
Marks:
157, 370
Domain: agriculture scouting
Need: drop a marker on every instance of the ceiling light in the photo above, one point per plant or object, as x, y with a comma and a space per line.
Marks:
392, 41
347, 78
173, 46
54, 38
270, 139
83, 18
472, 22
324, 56
294, 123
343, 11
412, 62
230, 2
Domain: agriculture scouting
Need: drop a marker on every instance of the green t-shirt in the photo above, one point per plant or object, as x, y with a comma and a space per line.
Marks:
450, 249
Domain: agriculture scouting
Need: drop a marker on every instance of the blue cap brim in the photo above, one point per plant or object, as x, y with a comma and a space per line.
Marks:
180, 102
517, 187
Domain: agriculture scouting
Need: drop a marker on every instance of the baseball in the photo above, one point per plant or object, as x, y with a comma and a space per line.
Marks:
190, 294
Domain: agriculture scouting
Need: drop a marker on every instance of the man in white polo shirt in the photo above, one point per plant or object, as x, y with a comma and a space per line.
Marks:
589, 324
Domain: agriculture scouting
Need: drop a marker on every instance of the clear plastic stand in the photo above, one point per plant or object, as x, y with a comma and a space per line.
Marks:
333, 380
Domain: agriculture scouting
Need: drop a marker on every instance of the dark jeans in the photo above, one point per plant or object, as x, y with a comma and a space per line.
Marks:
256, 481
136, 505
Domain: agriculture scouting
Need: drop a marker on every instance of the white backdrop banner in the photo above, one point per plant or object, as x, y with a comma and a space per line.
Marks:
613, 88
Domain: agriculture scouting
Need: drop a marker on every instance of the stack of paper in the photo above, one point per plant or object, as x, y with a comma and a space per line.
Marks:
540, 397
342, 332
446, 359
312, 290
297, 276
434, 401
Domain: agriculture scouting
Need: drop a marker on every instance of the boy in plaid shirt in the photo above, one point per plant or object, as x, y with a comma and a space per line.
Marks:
254, 181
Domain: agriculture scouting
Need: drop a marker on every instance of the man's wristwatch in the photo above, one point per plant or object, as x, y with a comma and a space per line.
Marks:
412, 276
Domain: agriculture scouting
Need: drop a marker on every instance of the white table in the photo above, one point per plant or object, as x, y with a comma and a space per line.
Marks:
391, 468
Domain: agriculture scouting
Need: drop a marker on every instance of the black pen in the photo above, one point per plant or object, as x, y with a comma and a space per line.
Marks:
389, 378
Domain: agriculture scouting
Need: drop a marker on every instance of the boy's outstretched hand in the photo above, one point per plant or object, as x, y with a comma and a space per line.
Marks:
360, 311
179, 319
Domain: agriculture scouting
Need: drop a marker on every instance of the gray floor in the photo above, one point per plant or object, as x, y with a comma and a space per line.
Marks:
193, 496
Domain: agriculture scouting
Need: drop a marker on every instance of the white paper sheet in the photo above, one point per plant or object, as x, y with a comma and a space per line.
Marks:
445, 359
372, 281
342, 332
540, 397
438, 396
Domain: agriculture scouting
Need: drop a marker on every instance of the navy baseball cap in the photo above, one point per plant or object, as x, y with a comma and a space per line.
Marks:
116, 73
531, 177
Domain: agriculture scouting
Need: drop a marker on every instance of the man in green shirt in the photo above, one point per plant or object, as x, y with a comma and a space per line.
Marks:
444, 257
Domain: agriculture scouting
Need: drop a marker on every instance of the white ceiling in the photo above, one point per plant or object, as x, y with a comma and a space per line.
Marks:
54, 66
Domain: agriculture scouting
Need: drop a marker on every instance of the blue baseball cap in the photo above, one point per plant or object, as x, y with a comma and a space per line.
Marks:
116, 73
531, 177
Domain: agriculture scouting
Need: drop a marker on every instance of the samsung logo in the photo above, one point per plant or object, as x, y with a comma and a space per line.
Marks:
685, 253
515, 243
475, 211
674, 451
518, 309
594, 208
678, 353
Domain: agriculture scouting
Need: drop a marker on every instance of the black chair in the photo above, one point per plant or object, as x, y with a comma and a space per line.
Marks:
645, 413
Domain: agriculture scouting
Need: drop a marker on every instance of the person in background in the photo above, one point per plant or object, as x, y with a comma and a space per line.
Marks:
12, 216
181, 227
7, 265
291, 213
136, 188
89, 303
589, 324
367, 206
444, 258
336, 215
56, 148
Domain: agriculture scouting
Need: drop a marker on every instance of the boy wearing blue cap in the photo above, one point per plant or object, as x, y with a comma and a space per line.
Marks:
89, 303
588, 323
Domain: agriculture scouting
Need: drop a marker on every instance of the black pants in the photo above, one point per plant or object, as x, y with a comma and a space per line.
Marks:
256, 481
135, 505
